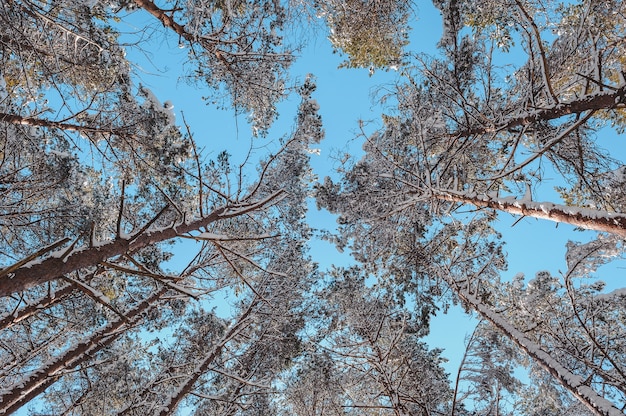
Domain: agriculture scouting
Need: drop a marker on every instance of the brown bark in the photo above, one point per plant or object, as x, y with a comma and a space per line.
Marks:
38, 381
53, 267
168, 21
35, 306
40, 122
593, 401
170, 405
588, 219
598, 101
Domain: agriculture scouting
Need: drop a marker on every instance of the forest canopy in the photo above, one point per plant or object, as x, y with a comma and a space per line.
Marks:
145, 270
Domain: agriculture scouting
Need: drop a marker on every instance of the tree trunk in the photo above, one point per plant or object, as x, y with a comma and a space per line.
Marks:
172, 401
40, 122
59, 263
594, 402
168, 21
38, 381
598, 101
590, 219
35, 306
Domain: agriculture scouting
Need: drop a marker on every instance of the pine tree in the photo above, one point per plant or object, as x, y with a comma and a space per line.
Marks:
467, 140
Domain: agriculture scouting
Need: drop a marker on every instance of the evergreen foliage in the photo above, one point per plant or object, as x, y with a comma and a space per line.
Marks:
98, 180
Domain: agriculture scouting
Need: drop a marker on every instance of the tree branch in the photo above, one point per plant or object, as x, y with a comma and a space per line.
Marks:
37, 272
587, 218
41, 122
598, 101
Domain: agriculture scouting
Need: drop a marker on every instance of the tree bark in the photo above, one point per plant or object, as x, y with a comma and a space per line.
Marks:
589, 219
38, 381
59, 263
35, 306
168, 21
593, 401
599, 101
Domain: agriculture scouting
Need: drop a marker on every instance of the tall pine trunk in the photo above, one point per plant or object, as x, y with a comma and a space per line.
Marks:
589, 219
586, 395
38, 381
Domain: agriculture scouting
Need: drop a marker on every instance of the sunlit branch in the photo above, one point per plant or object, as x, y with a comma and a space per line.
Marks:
40, 122
538, 153
234, 267
587, 218
592, 102
54, 266
96, 295
36, 306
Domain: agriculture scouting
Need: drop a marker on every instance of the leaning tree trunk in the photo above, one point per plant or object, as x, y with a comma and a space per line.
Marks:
603, 100
590, 219
64, 261
586, 395
36, 306
38, 381
172, 401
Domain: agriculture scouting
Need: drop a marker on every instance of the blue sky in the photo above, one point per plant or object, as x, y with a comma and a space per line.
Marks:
345, 97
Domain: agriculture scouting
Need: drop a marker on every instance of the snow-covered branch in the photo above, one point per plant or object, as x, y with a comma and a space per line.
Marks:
587, 218
40, 122
61, 262
602, 100
592, 400
172, 401
39, 380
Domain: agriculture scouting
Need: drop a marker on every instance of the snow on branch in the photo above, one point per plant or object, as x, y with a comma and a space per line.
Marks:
602, 100
172, 401
592, 400
587, 218
40, 122
33, 384
62, 262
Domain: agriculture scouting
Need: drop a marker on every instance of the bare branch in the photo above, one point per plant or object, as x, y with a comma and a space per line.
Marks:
545, 70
